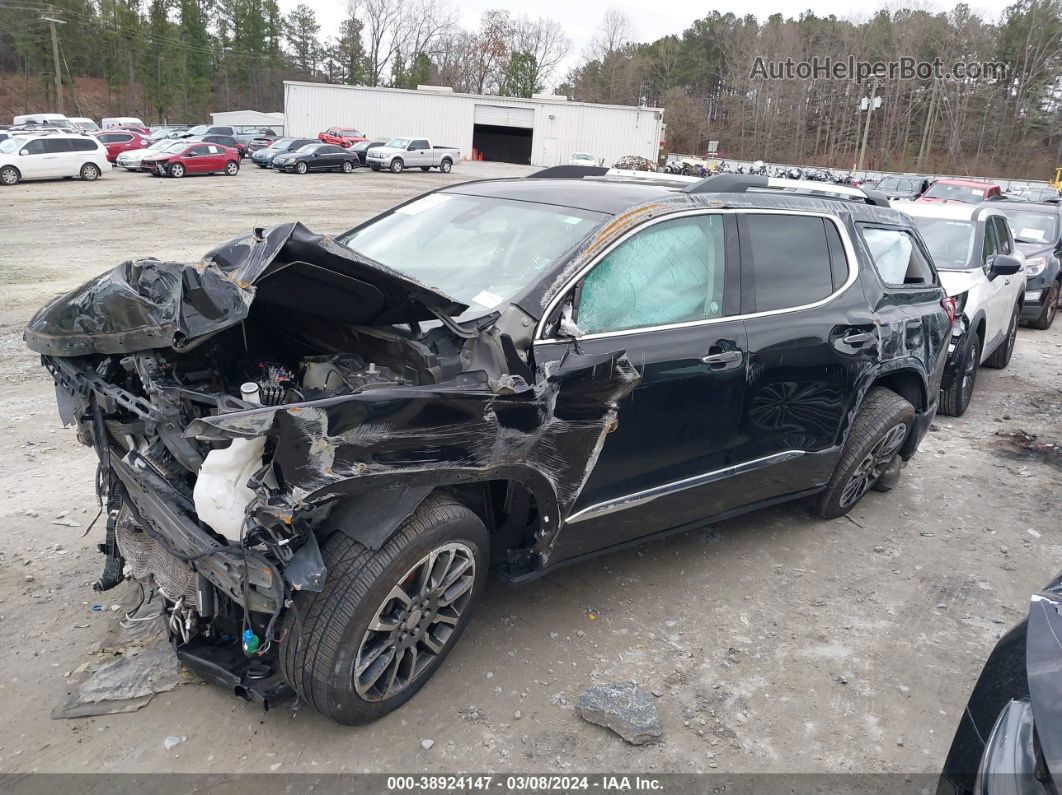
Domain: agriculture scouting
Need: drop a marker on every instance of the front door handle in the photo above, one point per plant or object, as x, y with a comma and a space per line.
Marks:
721, 361
857, 340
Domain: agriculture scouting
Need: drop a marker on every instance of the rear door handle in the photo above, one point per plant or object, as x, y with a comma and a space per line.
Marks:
721, 360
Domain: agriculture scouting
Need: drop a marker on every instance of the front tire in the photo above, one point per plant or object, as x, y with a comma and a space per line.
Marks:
880, 428
347, 166
386, 618
1000, 357
956, 398
397, 166
176, 171
90, 172
301, 167
9, 175
1047, 314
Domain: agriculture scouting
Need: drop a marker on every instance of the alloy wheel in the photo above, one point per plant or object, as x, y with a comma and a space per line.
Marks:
8, 176
415, 622
969, 374
873, 464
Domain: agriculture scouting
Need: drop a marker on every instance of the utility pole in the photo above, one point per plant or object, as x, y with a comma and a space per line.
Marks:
866, 125
923, 150
55, 57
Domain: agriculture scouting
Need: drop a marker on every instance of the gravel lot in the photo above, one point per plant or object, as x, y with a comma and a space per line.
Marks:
776, 642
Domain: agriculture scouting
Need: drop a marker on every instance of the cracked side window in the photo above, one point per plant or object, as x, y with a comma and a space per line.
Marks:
671, 272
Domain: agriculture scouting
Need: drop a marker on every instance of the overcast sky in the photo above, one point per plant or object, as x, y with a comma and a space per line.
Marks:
581, 19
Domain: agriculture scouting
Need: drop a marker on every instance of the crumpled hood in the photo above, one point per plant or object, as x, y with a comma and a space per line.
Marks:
147, 303
957, 282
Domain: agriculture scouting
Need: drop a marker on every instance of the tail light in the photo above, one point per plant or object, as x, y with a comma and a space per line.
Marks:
949, 308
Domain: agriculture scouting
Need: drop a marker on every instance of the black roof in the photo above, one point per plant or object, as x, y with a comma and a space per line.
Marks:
596, 195
614, 195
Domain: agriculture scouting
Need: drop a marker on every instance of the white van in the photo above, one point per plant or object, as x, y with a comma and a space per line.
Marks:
117, 121
52, 119
84, 124
51, 156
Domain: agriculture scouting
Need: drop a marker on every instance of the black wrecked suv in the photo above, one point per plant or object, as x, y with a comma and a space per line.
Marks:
315, 448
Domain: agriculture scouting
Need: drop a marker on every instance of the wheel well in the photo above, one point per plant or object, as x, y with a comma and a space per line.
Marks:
15, 169
908, 385
510, 512
981, 330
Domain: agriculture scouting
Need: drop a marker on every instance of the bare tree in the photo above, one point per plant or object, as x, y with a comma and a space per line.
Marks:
614, 33
544, 40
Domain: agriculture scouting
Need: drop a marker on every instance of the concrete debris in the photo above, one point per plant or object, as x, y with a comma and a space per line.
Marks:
172, 742
427, 744
624, 708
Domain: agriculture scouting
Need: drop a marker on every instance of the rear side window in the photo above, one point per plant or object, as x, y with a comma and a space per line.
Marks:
351, 134
671, 272
897, 257
54, 145
789, 259
83, 145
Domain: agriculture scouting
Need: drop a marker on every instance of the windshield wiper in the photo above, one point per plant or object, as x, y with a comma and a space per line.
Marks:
460, 329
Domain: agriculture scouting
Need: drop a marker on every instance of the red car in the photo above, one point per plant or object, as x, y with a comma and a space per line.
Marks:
342, 136
137, 128
967, 191
118, 141
198, 157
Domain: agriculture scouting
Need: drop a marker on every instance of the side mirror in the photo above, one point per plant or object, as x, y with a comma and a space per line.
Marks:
1003, 265
23, 153
410, 148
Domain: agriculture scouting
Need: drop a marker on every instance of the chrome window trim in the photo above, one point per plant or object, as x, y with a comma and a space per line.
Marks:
846, 242
665, 489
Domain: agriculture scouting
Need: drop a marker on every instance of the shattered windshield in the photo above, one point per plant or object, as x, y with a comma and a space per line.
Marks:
481, 251
950, 241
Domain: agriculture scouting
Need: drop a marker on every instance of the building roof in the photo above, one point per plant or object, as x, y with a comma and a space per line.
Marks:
493, 99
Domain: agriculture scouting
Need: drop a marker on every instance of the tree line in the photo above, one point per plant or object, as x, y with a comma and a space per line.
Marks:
176, 60
1002, 123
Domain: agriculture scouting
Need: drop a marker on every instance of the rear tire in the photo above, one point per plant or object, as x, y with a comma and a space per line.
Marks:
1000, 357
1047, 314
445, 166
232, 168
9, 175
956, 398
880, 428
330, 654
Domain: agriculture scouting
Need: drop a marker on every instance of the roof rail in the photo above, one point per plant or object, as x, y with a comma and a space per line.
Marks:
569, 172
743, 183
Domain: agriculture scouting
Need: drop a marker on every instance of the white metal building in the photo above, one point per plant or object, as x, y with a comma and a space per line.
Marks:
250, 118
543, 131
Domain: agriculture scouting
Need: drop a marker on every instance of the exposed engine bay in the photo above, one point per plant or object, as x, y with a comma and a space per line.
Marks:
234, 439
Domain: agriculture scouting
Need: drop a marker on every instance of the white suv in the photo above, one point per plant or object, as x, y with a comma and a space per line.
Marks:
981, 268
35, 156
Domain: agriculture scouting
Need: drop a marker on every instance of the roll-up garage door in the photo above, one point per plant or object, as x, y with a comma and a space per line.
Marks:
498, 116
